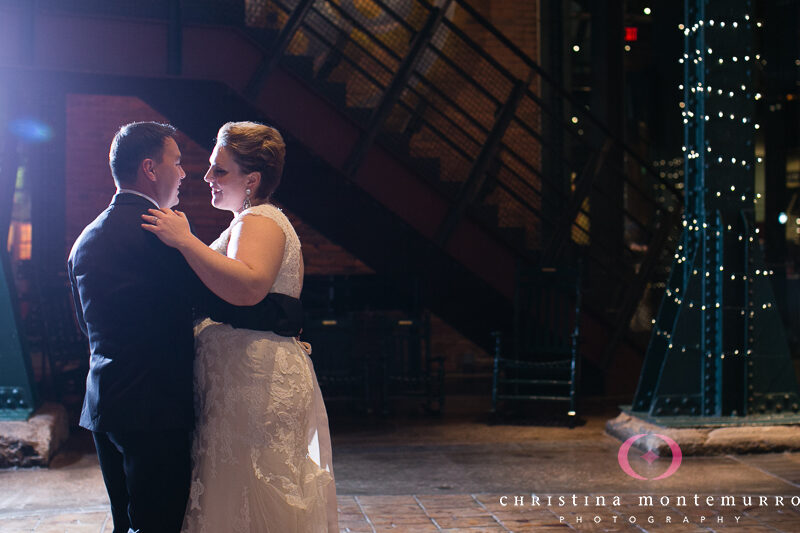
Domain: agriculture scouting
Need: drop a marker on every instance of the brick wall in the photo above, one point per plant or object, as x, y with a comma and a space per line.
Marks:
519, 21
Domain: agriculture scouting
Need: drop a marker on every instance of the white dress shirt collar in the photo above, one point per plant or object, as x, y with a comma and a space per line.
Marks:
138, 193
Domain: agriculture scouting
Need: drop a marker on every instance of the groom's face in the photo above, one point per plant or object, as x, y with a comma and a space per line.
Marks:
169, 174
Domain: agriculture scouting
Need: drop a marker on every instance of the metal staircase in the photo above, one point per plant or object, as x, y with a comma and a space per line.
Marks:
415, 124
474, 126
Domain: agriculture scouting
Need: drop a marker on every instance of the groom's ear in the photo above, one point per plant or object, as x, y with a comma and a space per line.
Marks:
147, 166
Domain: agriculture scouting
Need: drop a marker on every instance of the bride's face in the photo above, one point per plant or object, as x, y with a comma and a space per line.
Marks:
228, 182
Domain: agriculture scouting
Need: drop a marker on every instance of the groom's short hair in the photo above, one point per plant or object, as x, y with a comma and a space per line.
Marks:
132, 144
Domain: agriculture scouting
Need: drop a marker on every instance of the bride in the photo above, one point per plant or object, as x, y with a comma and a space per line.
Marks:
261, 452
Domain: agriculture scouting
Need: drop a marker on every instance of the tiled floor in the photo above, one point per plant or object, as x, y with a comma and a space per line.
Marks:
458, 473
475, 513
485, 512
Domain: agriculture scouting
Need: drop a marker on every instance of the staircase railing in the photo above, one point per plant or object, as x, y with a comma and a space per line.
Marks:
427, 83
473, 123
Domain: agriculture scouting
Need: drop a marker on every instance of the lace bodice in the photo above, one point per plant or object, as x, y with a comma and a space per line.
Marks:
290, 277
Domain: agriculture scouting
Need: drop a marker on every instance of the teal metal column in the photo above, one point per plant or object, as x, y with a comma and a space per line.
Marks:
718, 352
17, 387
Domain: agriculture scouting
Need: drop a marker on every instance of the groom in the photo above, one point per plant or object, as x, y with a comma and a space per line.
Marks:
135, 299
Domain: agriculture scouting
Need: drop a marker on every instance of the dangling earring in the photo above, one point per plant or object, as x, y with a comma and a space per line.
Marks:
246, 204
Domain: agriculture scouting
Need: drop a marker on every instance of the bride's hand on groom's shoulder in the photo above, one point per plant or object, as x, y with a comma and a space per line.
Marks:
172, 227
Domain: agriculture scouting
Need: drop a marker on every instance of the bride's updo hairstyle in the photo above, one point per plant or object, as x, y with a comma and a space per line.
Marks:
255, 148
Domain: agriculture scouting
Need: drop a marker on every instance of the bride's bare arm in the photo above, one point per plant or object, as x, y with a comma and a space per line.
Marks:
246, 275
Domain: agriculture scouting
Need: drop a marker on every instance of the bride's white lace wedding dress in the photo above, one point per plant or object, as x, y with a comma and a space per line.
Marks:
262, 453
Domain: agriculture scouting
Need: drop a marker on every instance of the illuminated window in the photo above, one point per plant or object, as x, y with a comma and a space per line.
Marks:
19, 240
20, 231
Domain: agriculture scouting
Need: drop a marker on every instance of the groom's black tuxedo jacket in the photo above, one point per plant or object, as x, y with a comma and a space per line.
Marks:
134, 299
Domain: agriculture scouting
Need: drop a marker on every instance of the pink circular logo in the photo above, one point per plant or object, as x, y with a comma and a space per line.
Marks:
622, 456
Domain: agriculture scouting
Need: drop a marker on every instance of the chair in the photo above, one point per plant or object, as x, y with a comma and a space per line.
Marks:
409, 368
543, 363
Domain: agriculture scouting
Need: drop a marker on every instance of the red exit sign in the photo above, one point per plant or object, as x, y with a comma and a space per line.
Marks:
631, 33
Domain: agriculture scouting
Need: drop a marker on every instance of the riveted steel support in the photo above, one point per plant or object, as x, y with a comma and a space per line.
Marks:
718, 350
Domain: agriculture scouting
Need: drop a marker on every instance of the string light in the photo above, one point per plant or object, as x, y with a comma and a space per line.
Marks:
716, 108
